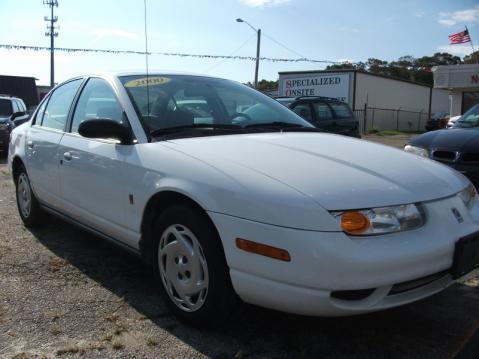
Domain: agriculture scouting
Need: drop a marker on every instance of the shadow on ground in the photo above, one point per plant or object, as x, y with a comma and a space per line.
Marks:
3, 158
435, 327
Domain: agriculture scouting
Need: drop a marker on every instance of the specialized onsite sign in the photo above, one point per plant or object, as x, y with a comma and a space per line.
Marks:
334, 85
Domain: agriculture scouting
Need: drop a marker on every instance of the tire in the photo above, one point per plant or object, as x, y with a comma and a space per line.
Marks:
190, 267
27, 204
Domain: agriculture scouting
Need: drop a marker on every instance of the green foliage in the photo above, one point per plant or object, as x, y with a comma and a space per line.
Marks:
472, 58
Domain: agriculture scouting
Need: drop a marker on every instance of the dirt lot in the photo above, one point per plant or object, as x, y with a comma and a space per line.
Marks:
65, 293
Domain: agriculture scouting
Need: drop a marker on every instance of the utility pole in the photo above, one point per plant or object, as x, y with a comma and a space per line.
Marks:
51, 31
258, 42
258, 45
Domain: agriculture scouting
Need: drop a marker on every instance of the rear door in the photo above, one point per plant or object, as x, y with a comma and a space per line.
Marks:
323, 117
42, 141
346, 123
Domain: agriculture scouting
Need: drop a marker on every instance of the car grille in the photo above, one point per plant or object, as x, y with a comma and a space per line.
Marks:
470, 157
444, 156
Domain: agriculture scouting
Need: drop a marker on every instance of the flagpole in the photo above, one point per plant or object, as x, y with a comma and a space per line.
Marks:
472, 45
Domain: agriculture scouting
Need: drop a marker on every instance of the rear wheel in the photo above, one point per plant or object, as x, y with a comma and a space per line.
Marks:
28, 206
190, 267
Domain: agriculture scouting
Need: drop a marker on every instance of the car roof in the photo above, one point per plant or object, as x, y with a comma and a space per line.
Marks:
312, 98
155, 72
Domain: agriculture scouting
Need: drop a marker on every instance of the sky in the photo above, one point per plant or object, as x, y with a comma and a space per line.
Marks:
347, 30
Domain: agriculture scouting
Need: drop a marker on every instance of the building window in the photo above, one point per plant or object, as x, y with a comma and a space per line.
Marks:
469, 99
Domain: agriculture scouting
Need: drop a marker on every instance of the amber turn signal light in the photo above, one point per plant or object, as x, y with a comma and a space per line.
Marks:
263, 249
354, 222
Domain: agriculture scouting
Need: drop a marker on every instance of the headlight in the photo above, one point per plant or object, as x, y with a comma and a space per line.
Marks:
416, 150
468, 195
381, 220
4, 126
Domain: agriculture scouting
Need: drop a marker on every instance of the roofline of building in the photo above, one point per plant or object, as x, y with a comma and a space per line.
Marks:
22, 77
355, 71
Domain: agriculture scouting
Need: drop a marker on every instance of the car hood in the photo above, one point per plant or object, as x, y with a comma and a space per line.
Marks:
455, 139
335, 171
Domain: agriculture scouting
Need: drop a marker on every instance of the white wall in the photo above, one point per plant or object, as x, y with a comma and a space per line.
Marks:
441, 101
391, 94
456, 103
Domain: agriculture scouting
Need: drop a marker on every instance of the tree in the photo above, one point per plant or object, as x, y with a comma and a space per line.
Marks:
473, 58
265, 85
347, 66
376, 66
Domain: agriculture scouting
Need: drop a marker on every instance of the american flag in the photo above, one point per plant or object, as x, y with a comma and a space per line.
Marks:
460, 37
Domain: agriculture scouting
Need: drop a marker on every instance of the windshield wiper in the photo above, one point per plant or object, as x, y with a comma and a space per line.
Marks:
274, 124
176, 129
283, 126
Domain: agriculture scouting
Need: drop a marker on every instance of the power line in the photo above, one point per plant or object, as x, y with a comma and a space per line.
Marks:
284, 46
52, 33
231, 54
177, 54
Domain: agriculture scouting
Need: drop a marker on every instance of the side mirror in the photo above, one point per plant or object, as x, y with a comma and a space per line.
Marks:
105, 128
17, 114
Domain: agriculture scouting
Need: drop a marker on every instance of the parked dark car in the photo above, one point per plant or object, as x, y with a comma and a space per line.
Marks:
437, 121
13, 112
457, 147
325, 113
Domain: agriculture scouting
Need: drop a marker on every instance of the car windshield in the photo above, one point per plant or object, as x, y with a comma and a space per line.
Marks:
171, 102
5, 107
469, 119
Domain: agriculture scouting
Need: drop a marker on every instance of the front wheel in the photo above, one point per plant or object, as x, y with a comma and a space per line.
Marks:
191, 268
28, 206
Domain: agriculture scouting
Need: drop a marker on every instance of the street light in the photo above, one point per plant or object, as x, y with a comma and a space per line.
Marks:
258, 32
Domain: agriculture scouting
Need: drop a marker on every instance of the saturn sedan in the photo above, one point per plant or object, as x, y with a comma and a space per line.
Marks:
231, 196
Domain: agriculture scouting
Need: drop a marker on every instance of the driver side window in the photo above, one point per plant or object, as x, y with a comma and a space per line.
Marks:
303, 110
97, 100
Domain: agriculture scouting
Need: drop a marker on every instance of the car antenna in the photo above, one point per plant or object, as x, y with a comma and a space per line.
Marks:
146, 62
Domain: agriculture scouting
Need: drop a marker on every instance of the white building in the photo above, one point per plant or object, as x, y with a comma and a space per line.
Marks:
463, 83
358, 88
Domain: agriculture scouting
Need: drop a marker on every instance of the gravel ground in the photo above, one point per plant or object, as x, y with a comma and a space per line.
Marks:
65, 293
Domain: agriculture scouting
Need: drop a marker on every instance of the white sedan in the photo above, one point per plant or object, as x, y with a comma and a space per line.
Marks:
230, 195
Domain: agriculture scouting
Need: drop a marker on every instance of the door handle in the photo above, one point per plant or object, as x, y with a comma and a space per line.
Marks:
67, 156
30, 144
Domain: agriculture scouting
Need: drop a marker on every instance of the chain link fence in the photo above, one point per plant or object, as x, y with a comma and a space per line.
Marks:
382, 119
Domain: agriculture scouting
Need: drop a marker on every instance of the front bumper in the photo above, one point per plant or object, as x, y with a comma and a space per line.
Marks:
325, 263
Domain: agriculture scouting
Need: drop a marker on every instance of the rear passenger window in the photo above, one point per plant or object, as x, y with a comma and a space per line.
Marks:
56, 113
40, 112
97, 100
323, 112
341, 110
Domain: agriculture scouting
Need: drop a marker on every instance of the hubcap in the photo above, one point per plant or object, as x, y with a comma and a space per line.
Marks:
24, 195
183, 268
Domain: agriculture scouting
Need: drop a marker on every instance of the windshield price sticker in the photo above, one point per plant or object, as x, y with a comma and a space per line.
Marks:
151, 81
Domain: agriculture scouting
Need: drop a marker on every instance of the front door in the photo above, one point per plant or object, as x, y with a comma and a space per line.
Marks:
93, 180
